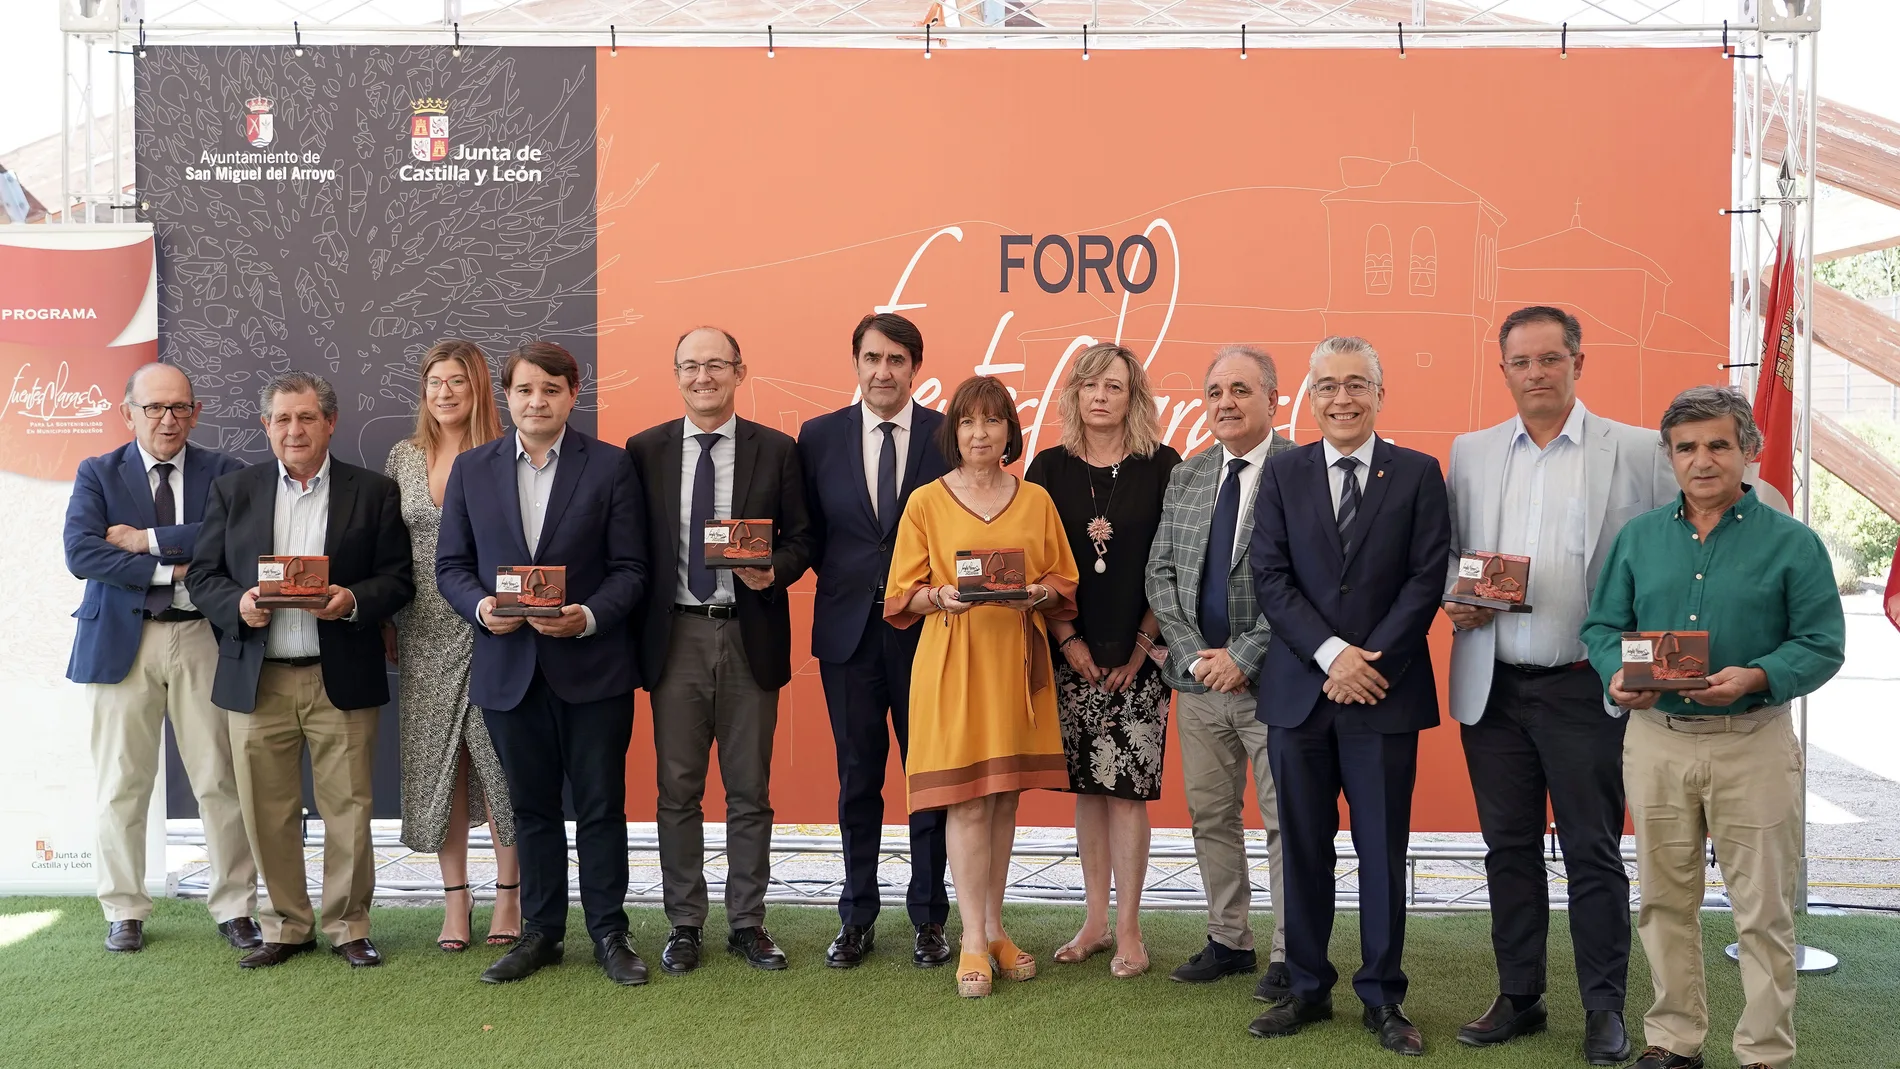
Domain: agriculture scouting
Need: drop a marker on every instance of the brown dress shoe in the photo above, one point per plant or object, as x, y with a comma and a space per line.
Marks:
125, 937
360, 953
242, 933
275, 954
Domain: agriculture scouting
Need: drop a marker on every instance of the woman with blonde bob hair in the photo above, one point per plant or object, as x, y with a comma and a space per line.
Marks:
451, 778
1108, 479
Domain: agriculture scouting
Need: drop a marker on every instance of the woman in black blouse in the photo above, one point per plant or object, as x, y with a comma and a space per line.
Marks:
1108, 478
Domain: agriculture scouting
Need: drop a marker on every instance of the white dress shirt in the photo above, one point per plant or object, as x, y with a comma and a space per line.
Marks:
1256, 458
725, 457
1543, 518
1336, 479
874, 447
162, 573
299, 525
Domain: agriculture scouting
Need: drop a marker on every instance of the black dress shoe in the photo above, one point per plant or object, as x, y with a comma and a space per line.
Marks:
125, 937
848, 950
360, 953
242, 933
932, 949
621, 962
755, 945
275, 954
1605, 1040
1395, 1032
1214, 961
1661, 1058
1288, 1016
1504, 1022
681, 954
1275, 984
534, 952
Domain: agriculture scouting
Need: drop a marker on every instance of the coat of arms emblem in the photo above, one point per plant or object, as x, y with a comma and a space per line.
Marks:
260, 128
429, 130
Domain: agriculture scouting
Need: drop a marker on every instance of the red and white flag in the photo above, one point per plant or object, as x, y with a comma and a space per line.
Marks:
1774, 388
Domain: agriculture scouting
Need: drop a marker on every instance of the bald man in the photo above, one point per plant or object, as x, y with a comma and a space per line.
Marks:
143, 649
716, 644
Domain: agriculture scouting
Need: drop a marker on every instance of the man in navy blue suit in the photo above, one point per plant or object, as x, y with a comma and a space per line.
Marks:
555, 691
143, 649
861, 464
1349, 543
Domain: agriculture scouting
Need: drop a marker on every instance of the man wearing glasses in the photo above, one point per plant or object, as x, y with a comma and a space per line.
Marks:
716, 643
1554, 483
142, 648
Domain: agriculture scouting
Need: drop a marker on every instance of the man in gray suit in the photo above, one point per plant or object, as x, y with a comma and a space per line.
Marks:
1201, 589
1555, 483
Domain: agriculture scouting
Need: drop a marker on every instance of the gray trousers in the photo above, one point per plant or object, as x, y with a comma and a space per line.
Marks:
1218, 738
708, 695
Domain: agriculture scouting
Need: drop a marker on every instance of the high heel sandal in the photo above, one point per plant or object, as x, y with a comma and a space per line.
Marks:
1074, 953
456, 946
504, 939
973, 975
1012, 961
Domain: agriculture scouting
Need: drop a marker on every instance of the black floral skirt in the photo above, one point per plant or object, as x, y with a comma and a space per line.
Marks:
1113, 742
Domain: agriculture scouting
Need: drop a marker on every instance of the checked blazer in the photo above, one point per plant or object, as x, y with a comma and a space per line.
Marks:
1175, 561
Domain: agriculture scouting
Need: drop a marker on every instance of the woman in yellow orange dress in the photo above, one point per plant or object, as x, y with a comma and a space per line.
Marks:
983, 724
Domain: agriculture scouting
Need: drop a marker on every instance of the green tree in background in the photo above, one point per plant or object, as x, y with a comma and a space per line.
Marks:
1859, 536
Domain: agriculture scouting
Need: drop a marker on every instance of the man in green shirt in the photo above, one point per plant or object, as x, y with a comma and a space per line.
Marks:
1721, 763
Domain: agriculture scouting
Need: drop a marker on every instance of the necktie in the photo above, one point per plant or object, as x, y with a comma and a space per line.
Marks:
1348, 500
1215, 625
699, 578
887, 478
159, 598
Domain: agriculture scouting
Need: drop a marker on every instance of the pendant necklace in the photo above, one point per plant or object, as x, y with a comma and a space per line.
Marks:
1100, 531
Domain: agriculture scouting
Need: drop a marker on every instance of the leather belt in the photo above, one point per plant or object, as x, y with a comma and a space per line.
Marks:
294, 662
173, 616
710, 612
1544, 670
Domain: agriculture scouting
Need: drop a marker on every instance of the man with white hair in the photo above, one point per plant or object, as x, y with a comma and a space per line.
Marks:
1349, 542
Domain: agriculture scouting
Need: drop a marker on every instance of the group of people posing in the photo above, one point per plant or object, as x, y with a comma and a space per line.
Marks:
1278, 597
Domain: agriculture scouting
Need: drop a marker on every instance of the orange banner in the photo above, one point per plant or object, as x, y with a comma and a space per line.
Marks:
1019, 204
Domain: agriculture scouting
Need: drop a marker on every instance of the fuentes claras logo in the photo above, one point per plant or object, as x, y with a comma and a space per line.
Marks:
438, 160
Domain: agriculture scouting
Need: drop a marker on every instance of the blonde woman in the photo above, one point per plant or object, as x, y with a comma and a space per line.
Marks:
982, 695
1108, 479
451, 778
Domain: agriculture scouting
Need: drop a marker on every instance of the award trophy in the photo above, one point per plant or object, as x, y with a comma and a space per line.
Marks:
1665, 660
293, 582
990, 575
537, 590
738, 543
1492, 580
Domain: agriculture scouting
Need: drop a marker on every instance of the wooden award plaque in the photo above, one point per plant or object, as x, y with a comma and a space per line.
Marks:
537, 590
738, 543
1665, 660
990, 575
1492, 580
293, 582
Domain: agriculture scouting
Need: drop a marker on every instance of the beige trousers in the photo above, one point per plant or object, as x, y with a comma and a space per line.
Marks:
171, 674
1734, 781
1218, 737
293, 711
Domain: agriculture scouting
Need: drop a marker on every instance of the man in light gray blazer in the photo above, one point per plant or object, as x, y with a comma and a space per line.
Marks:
1200, 587
1555, 483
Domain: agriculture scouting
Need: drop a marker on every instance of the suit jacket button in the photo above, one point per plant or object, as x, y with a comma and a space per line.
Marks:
1345, 589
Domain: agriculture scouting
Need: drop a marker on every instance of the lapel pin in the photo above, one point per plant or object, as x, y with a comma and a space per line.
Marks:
1381, 473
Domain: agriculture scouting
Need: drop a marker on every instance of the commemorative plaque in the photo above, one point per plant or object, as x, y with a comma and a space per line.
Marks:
293, 582
738, 543
537, 590
990, 575
1492, 580
1665, 660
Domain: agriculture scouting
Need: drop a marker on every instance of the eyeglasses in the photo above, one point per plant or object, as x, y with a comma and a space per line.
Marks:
1548, 362
1329, 390
691, 369
457, 382
179, 411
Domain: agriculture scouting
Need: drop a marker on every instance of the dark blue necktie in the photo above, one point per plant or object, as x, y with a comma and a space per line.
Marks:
1220, 558
1348, 501
699, 578
887, 478
159, 598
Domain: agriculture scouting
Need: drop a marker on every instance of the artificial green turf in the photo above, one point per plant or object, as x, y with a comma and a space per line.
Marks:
67, 1003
